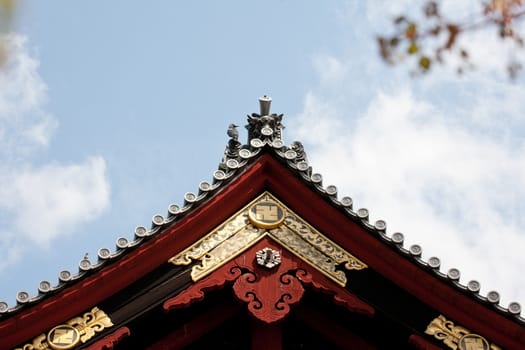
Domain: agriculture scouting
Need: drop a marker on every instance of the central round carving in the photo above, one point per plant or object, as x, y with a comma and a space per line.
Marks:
266, 215
473, 341
268, 257
63, 337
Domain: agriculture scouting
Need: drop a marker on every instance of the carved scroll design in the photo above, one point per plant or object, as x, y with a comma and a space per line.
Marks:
267, 216
72, 333
340, 295
322, 243
302, 249
212, 240
268, 299
268, 293
457, 337
196, 292
109, 341
226, 251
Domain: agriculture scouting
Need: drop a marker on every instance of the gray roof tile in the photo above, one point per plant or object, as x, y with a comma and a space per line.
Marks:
264, 134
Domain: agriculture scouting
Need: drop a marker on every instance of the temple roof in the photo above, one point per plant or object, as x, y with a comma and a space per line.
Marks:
264, 136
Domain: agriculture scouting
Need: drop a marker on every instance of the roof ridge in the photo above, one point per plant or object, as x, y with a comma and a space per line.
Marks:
264, 134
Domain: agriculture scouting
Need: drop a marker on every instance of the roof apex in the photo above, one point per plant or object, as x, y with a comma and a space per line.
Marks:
264, 136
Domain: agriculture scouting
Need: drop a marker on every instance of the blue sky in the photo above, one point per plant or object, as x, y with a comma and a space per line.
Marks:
111, 111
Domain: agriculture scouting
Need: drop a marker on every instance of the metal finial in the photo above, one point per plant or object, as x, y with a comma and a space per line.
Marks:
265, 102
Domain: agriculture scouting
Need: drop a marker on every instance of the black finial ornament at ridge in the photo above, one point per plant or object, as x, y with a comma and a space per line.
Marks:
264, 130
265, 127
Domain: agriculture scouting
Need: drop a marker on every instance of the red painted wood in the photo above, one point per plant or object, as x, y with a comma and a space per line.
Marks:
197, 327
421, 343
267, 173
329, 328
266, 336
378, 255
109, 341
81, 296
269, 293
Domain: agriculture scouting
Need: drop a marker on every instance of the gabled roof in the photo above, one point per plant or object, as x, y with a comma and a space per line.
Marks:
264, 163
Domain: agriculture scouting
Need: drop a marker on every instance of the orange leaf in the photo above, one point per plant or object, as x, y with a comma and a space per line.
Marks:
411, 32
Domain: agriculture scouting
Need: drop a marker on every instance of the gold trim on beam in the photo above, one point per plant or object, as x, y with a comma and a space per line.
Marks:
267, 216
457, 337
226, 251
213, 239
321, 242
309, 253
72, 333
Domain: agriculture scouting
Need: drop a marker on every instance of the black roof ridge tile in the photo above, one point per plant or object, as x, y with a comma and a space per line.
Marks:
237, 157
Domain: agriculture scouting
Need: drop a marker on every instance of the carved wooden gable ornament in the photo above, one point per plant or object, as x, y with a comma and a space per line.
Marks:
269, 254
264, 256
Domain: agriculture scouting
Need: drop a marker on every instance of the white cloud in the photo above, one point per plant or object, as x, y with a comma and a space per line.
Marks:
329, 68
442, 159
24, 124
457, 193
51, 200
38, 203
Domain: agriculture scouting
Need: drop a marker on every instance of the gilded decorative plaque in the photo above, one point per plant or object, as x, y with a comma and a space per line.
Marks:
457, 337
473, 342
267, 217
266, 214
63, 337
71, 334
